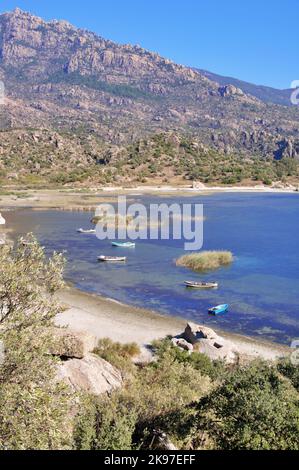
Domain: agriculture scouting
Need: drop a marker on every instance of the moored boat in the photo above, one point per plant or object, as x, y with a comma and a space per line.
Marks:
219, 309
112, 259
201, 285
81, 230
124, 244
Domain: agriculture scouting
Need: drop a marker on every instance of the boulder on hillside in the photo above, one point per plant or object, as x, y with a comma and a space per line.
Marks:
72, 344
230, 90
91, 374
182, 344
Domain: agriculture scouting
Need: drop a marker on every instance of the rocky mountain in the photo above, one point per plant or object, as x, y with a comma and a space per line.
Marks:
79, 97
263, 93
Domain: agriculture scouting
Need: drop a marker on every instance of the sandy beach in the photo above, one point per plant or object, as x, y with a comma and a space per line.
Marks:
88, 199
105, 318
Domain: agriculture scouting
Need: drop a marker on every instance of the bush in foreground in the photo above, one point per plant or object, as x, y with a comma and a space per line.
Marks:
154, 397
34, 408
206, 261
119, 355
253, 409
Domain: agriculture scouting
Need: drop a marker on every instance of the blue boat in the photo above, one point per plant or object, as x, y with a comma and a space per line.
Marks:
219, 309
123, 244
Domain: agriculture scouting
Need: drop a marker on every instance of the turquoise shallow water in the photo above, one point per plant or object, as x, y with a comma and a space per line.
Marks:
262, 285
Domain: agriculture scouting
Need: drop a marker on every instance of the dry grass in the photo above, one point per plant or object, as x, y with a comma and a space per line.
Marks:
206, 260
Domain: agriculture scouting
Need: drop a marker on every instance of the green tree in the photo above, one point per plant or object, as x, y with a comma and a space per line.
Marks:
289, 370
254, 409
34, 408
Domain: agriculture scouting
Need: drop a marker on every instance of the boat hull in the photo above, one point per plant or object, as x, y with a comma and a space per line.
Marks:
220, 310
123, 245
86, 232
111, 259
203, 285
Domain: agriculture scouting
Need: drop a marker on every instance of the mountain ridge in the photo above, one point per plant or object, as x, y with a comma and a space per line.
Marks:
265, 93
67, 80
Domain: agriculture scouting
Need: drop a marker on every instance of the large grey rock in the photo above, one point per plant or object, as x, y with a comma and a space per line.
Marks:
91, 374
182, 344
230, 90
194, 333
206, 341
72, 344
224, 351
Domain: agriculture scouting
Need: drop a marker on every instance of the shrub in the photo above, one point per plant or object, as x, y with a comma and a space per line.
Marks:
289, 370
254, 409
120, 355
155, 397
104, 424
213, 369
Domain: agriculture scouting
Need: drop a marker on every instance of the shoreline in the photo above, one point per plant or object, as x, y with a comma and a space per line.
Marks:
107, 318
87, 199
125, 323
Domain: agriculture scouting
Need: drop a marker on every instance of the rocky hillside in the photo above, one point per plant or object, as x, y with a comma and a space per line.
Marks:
263, 93
100, 94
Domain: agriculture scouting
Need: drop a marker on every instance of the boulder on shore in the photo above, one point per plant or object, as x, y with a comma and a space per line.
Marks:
206, 341
194, 333
223, 351
72, 344
92, 374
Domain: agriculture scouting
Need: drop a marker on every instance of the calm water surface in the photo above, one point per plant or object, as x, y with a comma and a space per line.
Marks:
262, 285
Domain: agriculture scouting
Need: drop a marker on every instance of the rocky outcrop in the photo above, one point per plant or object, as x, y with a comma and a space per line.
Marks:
195, 333
161, 441
208, 342
72, 344
91, 374
121, 93
182, 344
81, 370
230, 90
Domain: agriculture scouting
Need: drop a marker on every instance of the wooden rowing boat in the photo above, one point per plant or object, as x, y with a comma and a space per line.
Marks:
112, 259
201, 285
123, 244
81, 230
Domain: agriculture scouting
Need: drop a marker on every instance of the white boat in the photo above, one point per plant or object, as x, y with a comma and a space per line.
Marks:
90, 231
124, 244
201, 285
112, 259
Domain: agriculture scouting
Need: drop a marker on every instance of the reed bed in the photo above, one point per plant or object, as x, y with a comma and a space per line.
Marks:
206, 260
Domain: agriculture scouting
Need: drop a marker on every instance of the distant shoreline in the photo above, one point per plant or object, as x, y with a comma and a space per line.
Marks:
88, 199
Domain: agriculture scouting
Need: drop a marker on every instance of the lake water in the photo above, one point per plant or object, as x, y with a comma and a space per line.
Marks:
262, 285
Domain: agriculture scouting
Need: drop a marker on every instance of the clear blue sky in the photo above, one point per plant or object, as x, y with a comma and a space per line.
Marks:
254, 40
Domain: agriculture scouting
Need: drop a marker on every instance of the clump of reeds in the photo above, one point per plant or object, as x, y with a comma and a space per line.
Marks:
206, 260
112, 220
